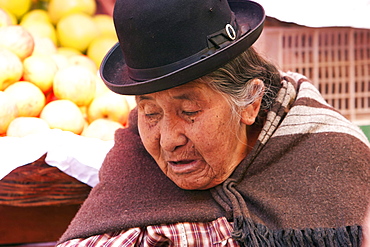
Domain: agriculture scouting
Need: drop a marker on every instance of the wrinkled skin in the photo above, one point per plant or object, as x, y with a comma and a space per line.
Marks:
191, 133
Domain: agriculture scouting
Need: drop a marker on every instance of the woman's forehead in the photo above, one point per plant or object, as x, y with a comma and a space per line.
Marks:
189, 91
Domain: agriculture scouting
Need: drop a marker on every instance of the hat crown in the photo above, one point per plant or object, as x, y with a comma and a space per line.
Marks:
162, 32
166, 43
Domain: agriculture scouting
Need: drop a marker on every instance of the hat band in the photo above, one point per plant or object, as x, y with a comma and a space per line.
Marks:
215, 42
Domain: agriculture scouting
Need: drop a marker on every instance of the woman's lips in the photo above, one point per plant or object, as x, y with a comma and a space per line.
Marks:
184, 166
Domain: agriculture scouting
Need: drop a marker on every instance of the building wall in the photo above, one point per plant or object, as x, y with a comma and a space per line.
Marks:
336, 60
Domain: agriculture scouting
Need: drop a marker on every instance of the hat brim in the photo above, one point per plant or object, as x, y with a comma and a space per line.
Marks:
250, 17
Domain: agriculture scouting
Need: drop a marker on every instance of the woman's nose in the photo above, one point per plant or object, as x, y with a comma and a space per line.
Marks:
172, 134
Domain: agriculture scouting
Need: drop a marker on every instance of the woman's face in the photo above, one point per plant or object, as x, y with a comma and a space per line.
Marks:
191, 133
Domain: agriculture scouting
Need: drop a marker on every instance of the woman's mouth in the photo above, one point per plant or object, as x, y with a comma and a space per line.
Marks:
184, 166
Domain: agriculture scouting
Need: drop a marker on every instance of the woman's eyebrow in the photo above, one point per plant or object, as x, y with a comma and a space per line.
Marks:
186, 96
183, 97
143, 97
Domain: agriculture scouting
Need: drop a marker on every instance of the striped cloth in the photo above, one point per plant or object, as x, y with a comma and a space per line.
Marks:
316, 117
216, 233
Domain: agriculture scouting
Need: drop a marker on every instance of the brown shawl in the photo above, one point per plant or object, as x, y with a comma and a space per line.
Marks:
305, 183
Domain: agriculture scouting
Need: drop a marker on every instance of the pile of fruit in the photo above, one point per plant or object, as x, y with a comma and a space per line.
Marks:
50, 52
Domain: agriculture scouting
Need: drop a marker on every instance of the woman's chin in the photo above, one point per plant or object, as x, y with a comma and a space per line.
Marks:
191, 184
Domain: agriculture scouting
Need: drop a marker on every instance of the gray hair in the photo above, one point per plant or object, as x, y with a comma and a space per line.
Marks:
235, 80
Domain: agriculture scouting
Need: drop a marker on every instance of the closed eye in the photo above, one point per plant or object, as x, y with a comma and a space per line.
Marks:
190, 113
151, 115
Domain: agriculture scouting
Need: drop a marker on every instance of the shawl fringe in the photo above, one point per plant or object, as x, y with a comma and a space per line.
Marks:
250, 234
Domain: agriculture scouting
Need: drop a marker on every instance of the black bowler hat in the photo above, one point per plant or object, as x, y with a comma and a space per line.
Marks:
166, 43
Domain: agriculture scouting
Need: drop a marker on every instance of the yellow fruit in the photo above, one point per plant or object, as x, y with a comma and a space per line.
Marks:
23, 126
76, 31
58, 9
64, 115
8, 111
13, 19
103, 129
5, 19
41, 29
109, 105
35, 15
68, 51
17, 39
40, 70
11, 68
100, 86
83, 110
60, 60
84, 61
105, 25
76, 84
44, 46
16, 7
28, 97
99, 47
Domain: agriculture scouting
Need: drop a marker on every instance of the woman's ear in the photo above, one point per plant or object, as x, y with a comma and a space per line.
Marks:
250, 112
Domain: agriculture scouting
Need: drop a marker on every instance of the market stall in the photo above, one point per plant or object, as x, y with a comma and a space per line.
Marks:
49, 160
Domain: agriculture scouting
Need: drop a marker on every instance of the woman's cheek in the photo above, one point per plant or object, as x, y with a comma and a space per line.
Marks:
149, 135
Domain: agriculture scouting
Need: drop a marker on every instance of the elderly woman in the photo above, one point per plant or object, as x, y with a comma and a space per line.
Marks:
223, 149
